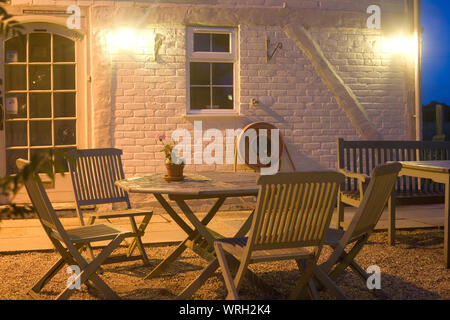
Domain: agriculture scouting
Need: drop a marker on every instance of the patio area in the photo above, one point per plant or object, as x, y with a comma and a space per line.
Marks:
412, 269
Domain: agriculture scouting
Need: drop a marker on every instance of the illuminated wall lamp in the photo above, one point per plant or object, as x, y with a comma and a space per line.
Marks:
400, 45
131, 41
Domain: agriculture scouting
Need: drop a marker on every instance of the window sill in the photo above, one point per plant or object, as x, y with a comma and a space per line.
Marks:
213, 116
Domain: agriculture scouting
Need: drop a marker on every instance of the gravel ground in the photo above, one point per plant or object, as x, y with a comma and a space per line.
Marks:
413, 269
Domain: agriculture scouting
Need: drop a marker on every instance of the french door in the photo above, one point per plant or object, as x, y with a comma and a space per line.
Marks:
41, 82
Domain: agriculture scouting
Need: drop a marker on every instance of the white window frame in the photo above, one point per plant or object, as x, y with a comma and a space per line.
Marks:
225, 57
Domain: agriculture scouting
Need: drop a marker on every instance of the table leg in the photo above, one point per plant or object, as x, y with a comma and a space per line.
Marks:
447, 225
213, 265
192, 234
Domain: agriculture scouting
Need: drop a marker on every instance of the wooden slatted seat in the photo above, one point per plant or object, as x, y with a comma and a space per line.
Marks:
291, 221
69, 243
347, 244
357, 159
94, 173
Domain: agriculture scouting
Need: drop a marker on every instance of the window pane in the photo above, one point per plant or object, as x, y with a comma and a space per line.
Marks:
200, 72
64, 77
39, 153
223, 98
63, 49
202, 42
16, 134
64, 104
222, 74
40, 105
40, 133
61, 160
65, 132
16, 77
11, 157
15, 50
39, 77
39, 45
221, 42
16, 105
200, 98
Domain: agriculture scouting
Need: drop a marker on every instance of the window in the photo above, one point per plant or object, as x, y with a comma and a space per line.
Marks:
212, 70
40, 97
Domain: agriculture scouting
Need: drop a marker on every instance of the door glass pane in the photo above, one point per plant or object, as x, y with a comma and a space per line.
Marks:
202, 42
221, 42
223, 98
15, 50
16, 105
39, 47
200, 72
40, 133
64, 77
39, 153
222, 74
200, 98
65, 132
40, 105
61, 160
64, 104
39, 77
16, 77
16, 133
63, 49
11, 157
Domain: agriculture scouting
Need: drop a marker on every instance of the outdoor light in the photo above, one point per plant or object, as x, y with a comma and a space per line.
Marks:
132, 41
400, 45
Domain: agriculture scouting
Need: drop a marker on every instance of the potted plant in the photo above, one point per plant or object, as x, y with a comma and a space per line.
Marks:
174, 164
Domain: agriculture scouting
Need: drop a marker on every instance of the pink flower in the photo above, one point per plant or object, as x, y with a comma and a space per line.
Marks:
160, 136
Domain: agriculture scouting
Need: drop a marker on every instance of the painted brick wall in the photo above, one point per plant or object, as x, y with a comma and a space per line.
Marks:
150, 96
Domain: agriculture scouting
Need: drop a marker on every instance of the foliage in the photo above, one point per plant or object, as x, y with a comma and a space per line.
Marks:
42, 163
168, 150
8, 26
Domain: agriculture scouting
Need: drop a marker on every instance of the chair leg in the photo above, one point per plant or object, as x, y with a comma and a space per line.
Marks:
329, 284
167, 261
302, 283
347, 259
137, 241
47, 277
229, 283
340, 212
391, 222
88, 271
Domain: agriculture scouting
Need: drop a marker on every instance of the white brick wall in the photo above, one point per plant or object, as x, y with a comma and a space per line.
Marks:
150, 96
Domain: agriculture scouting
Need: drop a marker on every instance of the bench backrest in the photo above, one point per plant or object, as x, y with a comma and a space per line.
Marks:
364, 156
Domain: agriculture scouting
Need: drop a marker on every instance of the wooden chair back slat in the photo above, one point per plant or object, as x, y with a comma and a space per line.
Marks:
294, 209
94, 176
377, 193
41, 203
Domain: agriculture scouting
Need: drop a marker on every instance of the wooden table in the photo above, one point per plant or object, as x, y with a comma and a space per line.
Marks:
200, 185
438, 171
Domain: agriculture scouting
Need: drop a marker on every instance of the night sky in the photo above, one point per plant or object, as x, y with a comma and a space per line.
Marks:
436, 51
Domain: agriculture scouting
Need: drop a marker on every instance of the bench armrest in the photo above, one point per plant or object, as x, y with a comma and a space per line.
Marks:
355, 175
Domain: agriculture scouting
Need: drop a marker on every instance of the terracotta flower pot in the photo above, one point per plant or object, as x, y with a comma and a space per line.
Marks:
174, 171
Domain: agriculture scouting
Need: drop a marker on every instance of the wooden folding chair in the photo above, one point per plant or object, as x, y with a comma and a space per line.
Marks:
367, 215
93, 173
291, 220
68, 243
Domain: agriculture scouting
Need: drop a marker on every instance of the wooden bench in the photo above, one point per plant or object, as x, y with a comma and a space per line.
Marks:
357, 159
